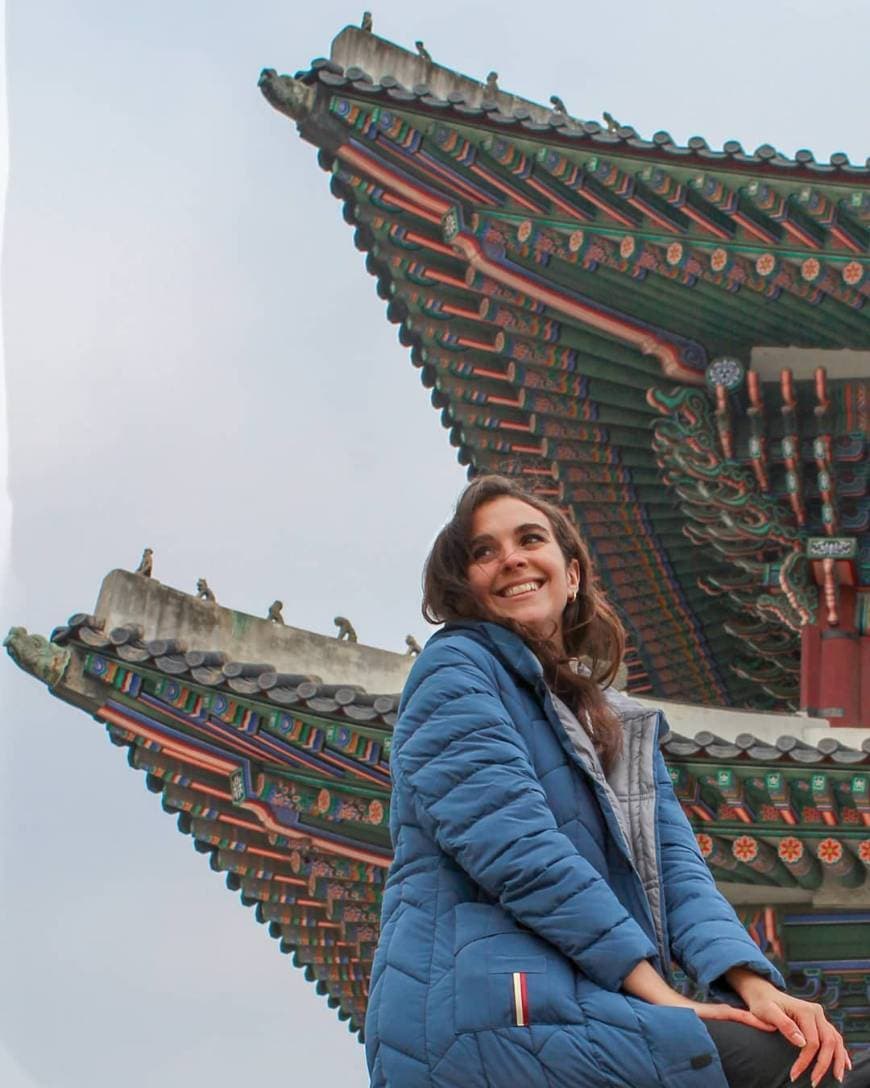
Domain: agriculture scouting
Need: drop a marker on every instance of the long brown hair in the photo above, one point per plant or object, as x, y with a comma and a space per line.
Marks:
590, 627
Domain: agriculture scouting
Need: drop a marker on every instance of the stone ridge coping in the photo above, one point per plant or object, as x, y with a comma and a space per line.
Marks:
380, 57
165, 612
829, 896
376, 66
727, 723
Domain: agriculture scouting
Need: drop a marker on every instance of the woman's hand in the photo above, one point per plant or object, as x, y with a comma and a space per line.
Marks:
719, 1010
647, 984
803, 1023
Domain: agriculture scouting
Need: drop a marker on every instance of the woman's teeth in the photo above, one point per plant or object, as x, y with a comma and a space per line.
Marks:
524, 587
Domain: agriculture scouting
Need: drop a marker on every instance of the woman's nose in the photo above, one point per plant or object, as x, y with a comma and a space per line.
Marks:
514, 559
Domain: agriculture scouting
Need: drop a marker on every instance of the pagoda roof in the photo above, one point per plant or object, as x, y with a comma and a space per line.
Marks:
279, 774
282, 779
584, 305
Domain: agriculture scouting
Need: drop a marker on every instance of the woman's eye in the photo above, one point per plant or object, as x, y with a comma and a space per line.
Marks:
483, 551
533, 538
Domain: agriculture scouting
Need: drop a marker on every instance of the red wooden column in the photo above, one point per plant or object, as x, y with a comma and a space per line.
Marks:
835, 651
840, 665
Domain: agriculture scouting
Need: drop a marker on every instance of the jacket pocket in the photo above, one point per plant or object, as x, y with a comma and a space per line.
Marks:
678, 1040
506, 976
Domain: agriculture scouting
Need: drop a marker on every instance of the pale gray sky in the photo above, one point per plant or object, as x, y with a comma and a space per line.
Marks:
197, 361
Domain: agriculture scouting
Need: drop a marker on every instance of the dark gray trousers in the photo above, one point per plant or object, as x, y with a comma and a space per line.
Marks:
759, 1059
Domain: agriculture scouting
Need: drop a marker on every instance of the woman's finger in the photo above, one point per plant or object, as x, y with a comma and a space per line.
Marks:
756, 1022
806, 1021
784, 1024
742, 1016
840, 1058
720, 1011
825, 1056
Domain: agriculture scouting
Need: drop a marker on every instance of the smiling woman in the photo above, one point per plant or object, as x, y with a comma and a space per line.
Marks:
545, 878
509, 557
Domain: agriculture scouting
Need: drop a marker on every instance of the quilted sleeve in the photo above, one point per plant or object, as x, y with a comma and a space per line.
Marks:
707, 937
475, 792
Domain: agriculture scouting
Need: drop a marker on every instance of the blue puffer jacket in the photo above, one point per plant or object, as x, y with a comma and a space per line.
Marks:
513, 908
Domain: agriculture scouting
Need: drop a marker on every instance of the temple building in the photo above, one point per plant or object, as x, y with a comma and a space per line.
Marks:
671, 342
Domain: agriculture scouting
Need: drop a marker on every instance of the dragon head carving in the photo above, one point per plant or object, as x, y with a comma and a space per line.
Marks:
35, 654
286, 94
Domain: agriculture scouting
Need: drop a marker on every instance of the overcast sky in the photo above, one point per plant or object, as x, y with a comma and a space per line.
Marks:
196, 360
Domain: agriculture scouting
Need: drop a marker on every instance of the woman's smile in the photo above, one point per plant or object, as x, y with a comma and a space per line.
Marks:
520, 588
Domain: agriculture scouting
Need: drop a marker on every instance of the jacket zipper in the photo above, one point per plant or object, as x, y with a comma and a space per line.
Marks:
611, 820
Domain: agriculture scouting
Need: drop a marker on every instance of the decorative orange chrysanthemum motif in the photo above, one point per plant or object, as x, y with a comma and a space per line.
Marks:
705, 844
790, 849
627, 247
575, 240
864, 851
830, 851
810, 269
718, 259
324, 800
376, 812
745, 848
765, 264
674, 253
853, 273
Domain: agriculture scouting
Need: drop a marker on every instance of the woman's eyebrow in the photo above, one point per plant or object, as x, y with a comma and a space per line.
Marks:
517, 531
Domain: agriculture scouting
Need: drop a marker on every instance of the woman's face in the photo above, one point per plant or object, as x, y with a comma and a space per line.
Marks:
517, 570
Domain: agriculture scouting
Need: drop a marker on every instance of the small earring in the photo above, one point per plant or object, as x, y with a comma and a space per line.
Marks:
572, 596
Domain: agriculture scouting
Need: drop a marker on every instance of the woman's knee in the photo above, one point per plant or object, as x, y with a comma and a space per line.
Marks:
758, 1059
752, 1058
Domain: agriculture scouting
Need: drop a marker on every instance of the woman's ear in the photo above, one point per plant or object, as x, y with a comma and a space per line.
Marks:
573, 577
